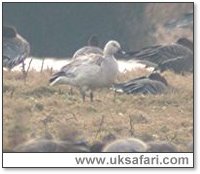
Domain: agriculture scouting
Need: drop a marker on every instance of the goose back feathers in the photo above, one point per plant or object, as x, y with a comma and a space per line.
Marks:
152, 84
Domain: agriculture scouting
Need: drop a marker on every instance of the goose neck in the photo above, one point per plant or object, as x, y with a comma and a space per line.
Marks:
107, 53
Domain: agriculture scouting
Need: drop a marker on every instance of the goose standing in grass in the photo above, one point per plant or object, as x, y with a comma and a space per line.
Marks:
177, 57
15, 48
152, 84
89, 72
91, 48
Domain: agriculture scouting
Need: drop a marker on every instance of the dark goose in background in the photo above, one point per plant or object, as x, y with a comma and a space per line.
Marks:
159, 53
179, 65
15, 48
177, 57
93, 47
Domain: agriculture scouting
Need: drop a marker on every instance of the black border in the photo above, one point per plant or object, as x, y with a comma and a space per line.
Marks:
194, 62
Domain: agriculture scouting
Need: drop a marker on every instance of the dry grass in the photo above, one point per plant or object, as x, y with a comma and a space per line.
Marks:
163, 12
164, 36
167, 117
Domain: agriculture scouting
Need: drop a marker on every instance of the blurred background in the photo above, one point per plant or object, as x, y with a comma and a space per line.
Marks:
59, 29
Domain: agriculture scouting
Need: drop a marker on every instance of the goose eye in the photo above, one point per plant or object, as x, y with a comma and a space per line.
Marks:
115, 45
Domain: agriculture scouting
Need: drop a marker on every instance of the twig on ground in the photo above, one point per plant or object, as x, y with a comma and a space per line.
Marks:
171, 139
26, 72
132, 130
100, 126
46, 121
74, 116
12, 92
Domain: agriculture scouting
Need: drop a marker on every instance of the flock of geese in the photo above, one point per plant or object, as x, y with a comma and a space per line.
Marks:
91, 68
108, 144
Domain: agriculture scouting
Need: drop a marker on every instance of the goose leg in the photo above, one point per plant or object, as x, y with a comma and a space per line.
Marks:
115, 93
91, 96
83, 97
82, 92
23, 69
71, 92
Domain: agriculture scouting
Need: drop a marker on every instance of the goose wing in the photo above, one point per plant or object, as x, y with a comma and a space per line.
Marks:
15, 50
142, 85
178, 65
158, 54
84, 60
77, 65
87, 50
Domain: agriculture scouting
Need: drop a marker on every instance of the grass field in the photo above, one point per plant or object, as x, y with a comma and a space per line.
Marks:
165, 117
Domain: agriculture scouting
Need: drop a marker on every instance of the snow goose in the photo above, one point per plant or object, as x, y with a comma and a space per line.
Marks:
91, 48
91, 71
152, 84
15, 48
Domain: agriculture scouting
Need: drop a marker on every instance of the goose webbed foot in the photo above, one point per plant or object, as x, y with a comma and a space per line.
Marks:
82, 92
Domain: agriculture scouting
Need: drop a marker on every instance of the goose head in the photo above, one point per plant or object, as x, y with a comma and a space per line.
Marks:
158, 77
93, 41
111, 48
9, 32
185, 42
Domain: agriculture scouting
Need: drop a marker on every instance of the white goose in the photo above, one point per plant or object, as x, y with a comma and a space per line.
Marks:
91, 71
